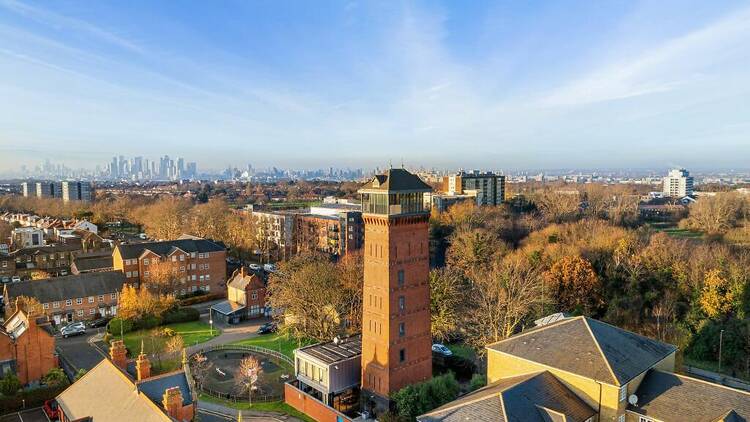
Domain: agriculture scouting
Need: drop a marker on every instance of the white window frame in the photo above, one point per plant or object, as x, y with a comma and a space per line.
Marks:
623, 393
79, 301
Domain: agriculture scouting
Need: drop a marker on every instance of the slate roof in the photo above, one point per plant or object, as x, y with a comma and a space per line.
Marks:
106, 394
589, 348
154, 387
533, 397
93, 263
240, 281
396, 180
134, 250
669, 397
331, 352
227, 307
68, 287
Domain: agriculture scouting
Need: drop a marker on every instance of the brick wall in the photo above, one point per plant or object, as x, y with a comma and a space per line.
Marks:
33, 351
311, 406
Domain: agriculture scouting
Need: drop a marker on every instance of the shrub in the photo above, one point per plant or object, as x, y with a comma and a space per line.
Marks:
55, 377
185, 314
117, 324
463, 368
9, 385
149, 321
202, 298
477, 381
414, 400
29, 399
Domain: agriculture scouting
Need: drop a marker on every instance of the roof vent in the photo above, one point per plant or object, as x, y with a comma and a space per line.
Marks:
336, 340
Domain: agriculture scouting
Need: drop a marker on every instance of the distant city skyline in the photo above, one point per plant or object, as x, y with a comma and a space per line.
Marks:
490, 85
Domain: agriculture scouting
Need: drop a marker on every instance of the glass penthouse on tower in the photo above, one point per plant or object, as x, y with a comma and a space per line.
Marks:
397, 192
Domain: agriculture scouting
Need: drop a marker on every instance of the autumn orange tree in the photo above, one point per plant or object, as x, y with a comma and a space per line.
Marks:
573, 285
138, 303
163, 277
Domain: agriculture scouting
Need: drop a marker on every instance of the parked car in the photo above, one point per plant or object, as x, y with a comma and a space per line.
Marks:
51, 409
268, 328
16, 279
63, 272
73, 330
5, 279
254, 267
441, 350
269, 268
99, 322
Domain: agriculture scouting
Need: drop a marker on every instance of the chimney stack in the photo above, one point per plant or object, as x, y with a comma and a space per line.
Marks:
142, 365
172, 402
118, 353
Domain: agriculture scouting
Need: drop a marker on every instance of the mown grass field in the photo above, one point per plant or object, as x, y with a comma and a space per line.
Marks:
280, 342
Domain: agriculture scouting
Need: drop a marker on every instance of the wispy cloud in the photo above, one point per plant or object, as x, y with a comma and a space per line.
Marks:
61, 21
663, 68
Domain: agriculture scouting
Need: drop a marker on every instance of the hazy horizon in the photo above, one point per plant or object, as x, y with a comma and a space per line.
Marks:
509, 85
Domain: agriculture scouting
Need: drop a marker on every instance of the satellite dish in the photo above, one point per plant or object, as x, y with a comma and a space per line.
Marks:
633, 399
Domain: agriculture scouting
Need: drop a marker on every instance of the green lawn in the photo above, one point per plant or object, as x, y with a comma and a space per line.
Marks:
192, 333
674, 231
276, 406
279, 342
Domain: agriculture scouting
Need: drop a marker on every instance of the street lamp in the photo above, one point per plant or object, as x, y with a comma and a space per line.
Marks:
211, 322
721, 340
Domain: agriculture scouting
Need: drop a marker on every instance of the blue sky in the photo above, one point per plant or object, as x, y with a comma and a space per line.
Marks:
501, 85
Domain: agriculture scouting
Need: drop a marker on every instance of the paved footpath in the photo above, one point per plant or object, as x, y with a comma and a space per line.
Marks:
230, 333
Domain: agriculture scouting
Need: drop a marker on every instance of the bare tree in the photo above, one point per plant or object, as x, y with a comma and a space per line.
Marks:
200, 366
246, 376
500, 299
447, 302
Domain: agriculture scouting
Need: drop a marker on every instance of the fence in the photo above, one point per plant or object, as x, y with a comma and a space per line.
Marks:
265, 398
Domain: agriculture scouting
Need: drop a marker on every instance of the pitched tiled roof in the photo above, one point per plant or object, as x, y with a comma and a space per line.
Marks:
105, 393
134, 250
669, 397
533, 397
93, 263
68, 287
241, 281
396, 180
154, 387
589, 348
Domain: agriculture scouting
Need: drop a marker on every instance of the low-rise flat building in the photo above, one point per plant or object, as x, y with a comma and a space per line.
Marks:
331, 371
27, 347
277, 230
92, 262
53, 259
199, 263
74, 297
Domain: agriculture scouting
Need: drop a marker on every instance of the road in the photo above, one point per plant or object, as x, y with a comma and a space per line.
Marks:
78, 352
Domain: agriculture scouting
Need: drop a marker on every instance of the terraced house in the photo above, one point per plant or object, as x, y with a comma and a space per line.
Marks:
583, 370
199, 264
74, 297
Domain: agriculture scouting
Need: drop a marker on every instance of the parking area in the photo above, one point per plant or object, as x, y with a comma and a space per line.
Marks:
33, 415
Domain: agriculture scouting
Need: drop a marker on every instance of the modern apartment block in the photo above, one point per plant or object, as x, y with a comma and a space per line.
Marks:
276, 228
76, 191
678, 184
48, 190
338, 234
488, 188
200, 264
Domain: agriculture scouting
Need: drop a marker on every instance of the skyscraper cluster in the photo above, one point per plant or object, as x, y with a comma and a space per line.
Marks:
139, 168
